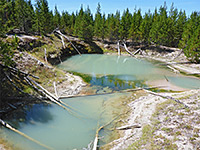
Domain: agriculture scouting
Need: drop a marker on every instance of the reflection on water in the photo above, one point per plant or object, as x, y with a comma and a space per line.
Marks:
116, 82
61, 130
31, 114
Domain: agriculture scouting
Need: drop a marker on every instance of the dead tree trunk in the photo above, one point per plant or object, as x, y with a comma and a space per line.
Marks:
128, 50
119, 52
62, 35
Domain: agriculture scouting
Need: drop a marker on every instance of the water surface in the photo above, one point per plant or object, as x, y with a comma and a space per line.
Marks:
61, 130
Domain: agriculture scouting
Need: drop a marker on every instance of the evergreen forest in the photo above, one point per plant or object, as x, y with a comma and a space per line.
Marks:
164, 26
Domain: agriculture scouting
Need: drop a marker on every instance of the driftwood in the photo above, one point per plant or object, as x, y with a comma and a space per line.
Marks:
126, 127
122, 91
58, 31
137, 51
167, 97
3, 123
173, 69
128, 50
119, 52
99, 129
56, 93
181, 51
18, 71
174, 63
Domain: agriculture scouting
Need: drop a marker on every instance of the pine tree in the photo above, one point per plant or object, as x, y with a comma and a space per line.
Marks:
24, 14
7, 16
125, 24
190, 42
159, 31
56, 19
134, 31
103, 28
45, 17
98, 22
145, 26
110, 23
65, 21
84, 24
117, 25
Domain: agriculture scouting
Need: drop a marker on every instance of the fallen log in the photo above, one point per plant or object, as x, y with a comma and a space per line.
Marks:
137, 51
52, 98
122, 91
173, 69
58, 31
56, 93
99, 129
10, 80
174, 63
181, 51
119, 52
128, 50
3, 123
126, 127
167, 97
15, 70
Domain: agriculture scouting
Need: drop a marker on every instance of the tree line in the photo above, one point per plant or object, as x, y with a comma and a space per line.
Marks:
168, 27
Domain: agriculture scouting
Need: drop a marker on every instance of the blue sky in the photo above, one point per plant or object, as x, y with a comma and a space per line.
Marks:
110, 6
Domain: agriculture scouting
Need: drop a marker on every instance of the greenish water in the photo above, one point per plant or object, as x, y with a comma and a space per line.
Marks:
185, 82
124, 72
61, 130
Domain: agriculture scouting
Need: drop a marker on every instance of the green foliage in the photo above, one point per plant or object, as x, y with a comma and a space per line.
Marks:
135, 29
7, 51
84, 24
191, 38
162, 27
125, 24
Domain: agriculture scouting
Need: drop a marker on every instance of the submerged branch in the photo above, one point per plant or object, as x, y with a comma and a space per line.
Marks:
3, 123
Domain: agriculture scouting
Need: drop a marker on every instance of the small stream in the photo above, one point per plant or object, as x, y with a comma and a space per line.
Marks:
62, 130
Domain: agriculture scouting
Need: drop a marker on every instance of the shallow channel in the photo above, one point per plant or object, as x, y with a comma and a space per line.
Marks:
60, 129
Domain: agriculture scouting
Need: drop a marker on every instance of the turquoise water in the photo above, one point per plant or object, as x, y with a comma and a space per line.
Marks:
109, 65
61, 130
185, 82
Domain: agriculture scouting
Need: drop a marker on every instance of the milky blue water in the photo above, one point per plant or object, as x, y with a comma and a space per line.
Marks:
62, 130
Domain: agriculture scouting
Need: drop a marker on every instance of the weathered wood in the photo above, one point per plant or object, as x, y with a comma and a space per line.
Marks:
54, 99
56, 93
137, 51
18, 71
167, 97
122, 91
181, 51
47, 92
59, 32
63, 43
126, 127
128, 50
3, 123
10, 80
99, 129
119, 51
174, 63
173, 69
